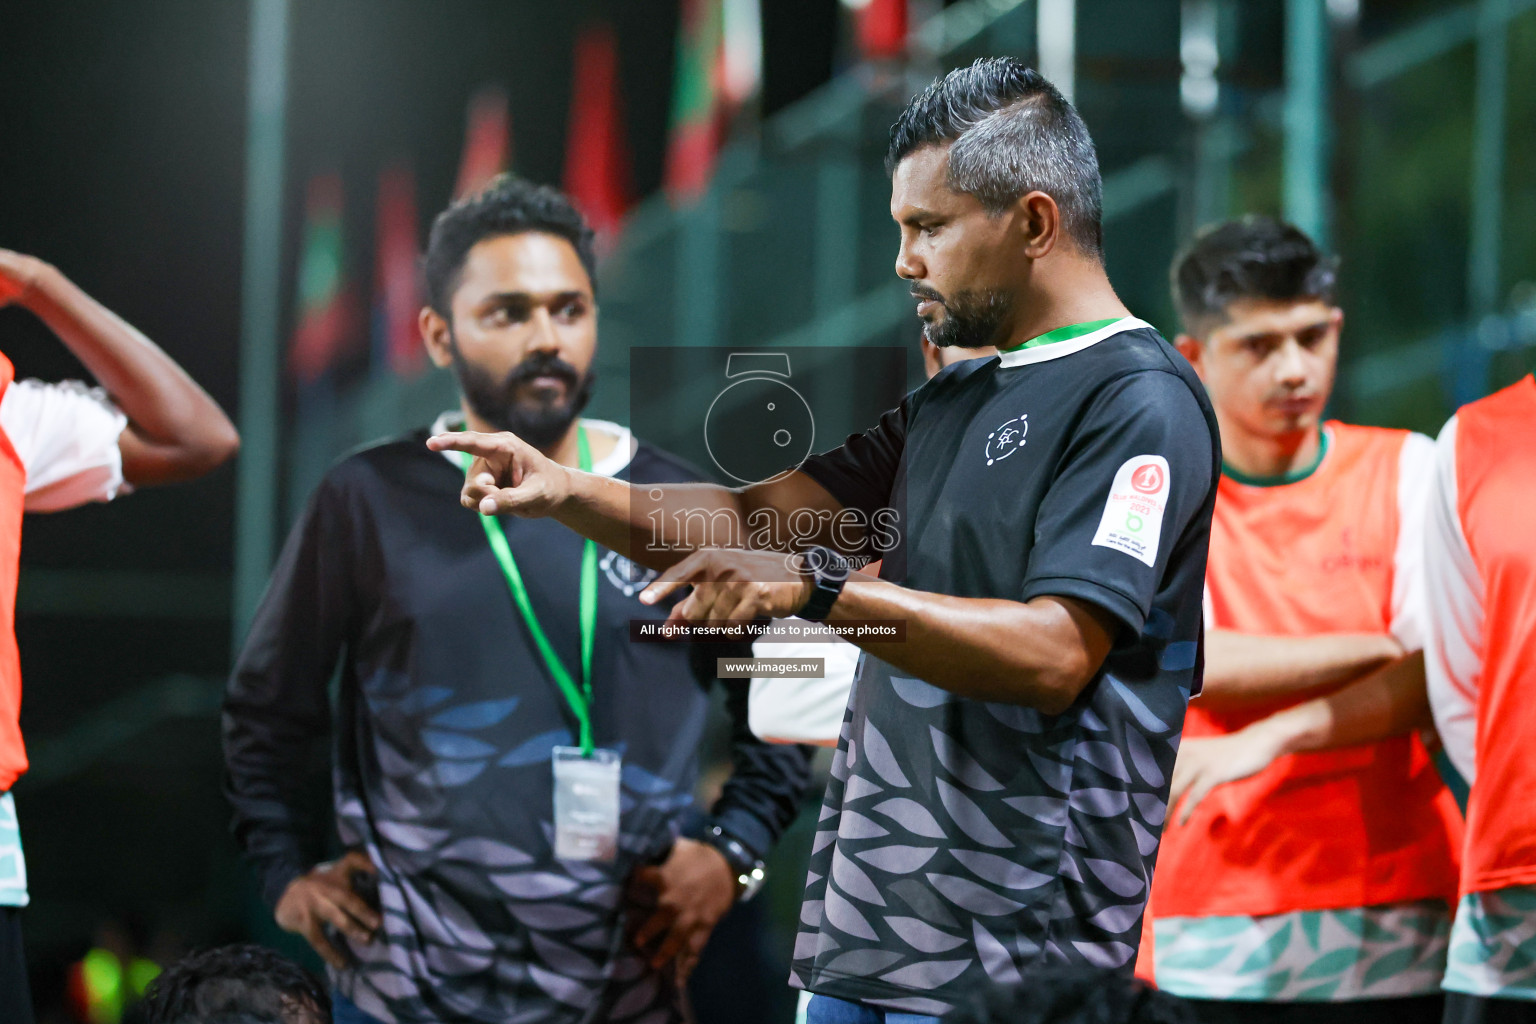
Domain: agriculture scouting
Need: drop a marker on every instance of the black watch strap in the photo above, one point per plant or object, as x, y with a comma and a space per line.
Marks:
749, 871
828, 572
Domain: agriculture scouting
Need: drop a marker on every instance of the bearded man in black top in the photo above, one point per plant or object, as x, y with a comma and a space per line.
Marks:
1002, 777
477, 658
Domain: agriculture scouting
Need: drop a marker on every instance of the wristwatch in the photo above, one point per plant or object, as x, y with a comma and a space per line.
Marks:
828, 571
749, 871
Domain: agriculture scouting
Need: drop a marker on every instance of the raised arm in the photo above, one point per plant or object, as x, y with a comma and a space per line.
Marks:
175, 430
655, 525
1243, 669
1042, 647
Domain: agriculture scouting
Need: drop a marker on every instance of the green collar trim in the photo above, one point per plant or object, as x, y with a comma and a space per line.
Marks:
1294, 476
1066, 333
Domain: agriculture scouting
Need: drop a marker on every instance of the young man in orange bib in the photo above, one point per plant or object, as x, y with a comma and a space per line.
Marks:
1297, 882
63, 445
1480, 564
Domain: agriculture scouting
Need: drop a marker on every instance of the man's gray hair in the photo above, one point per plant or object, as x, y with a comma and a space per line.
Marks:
1011, 133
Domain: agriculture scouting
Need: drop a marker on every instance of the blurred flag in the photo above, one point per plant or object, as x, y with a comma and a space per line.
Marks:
881, 28
695, 122
719, 67
487, 141
596, 155
327, 307
396, 297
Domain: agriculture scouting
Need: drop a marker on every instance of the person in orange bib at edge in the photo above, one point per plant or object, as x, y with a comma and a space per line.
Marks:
1480, 566
1310, 870
64, 445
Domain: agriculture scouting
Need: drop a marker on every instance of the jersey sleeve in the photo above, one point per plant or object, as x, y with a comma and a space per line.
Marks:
277, 710
1453, 650
861, 472
66, 437
1413, 490
1136, 476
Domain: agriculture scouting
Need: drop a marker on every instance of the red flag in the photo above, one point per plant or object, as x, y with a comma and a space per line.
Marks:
327, 305
487, 142
396, 297
596, 156
882, 29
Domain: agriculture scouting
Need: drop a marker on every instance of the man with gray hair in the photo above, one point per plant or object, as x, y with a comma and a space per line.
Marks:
1002, 773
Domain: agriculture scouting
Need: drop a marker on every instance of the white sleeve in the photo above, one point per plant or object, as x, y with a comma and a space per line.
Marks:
803, 710
66, 436
1414, 483
1453, 653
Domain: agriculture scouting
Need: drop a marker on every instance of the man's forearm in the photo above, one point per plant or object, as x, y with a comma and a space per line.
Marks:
1388, 702
1039, 653
657, 525
652, 524
270, 825
1243, 669
164, 405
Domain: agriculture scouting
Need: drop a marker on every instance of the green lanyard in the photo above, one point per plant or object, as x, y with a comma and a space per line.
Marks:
580, 700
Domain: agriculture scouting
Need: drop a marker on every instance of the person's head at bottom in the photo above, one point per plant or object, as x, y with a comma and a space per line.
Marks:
234, 985
1067, 995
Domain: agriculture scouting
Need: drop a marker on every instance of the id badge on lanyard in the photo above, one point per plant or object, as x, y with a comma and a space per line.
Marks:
586, 778
586, 803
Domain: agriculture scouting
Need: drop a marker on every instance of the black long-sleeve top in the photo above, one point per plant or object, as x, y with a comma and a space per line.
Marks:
444, 723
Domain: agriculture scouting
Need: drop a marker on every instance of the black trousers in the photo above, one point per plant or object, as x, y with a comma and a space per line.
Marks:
1408, 1010
15, 989
1465, 1009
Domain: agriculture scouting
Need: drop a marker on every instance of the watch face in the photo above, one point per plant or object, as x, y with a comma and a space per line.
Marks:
759, 429
815, 559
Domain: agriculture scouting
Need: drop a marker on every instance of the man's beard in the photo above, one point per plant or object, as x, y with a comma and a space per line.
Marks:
972, 319
541, 422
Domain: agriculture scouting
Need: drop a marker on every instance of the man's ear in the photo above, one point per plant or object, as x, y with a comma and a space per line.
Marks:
1191, 349
435, 336
1040, 220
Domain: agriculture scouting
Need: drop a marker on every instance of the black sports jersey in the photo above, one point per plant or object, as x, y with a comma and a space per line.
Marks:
963, 840
444, 729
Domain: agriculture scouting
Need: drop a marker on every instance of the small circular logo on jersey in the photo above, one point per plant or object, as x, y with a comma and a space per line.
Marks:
1148, 479
629, 577
1007, 439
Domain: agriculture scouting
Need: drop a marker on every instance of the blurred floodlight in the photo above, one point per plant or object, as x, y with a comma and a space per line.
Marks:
1344, 12
742, 57
1056, 30
1200, 55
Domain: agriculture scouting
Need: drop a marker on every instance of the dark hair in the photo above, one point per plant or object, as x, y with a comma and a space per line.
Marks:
509, 205
1012, 133
242, 984
1253, 258
1072, 995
